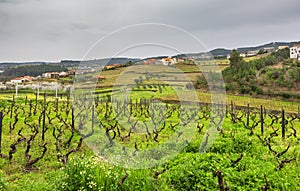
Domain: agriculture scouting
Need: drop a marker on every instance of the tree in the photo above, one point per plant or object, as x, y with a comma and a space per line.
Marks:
235, 60
261, 51
282, 54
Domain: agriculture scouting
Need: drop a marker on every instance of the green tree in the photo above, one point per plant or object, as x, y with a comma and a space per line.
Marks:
261, 51
235, 59
282, 55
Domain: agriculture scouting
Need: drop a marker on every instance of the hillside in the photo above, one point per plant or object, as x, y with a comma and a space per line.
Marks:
222, 52
218, 52
11, 70
274, 76
70, 63
269, 76
31, 70
97, 62
274, 45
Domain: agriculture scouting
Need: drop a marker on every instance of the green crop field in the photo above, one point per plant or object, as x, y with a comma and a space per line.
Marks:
145, 127
149, 95
147, 141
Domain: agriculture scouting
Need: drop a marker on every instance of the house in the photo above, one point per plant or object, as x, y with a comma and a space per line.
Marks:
82, 71
117, 65
218, 56
63, 74
243, 55
27, 78
72, 72
46, 75
282, 47
109, 67
252, 53
17, 80
180, 60
295, 52
21, 80
52, 75
150, 61
268, 49
168, 61
101, 77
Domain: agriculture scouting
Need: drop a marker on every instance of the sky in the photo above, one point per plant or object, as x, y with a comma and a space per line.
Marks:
54, 30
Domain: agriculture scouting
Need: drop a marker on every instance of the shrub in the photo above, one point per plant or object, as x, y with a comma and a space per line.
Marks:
285, 95
259, 91
91, 173
2, 182
192, 172
244, 90
229, 86
189, 86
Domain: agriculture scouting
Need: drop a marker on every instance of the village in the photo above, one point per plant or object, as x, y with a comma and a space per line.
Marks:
53, 80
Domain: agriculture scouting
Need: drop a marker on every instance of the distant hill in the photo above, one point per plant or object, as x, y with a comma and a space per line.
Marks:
97, 62
221, 52
4, 65
273, 44
31, 70
71, 63
225, 52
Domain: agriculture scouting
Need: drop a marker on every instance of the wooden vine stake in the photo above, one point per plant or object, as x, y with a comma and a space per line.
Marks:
1, 118
262, 120
248, 115
283, 124
44, 118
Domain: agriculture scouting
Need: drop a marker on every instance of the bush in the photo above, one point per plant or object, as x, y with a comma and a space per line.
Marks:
274, 74
229, 86
244, 90
285, 95
2, 182
91, 173
189, 86
192, 172
259, 91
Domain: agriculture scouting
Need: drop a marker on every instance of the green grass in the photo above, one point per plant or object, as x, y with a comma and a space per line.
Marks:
187, 170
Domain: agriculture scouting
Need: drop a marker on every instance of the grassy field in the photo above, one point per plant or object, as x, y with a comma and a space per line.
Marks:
245, 166
130, 132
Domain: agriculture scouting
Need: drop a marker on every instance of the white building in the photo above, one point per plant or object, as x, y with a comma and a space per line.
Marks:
295, 52
168, 61
243, 55
282, 47
252, 53
17, 80
63, 74
53, 75
21, 80
269, 49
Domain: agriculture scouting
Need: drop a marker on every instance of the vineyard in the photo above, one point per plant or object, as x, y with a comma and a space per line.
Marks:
140, 141
149, 96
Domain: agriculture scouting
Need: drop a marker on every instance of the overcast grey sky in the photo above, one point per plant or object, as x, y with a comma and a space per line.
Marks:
51, 30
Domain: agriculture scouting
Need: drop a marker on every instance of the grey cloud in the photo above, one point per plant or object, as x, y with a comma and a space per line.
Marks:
9, 1
79, 26
56, 29
218, 14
